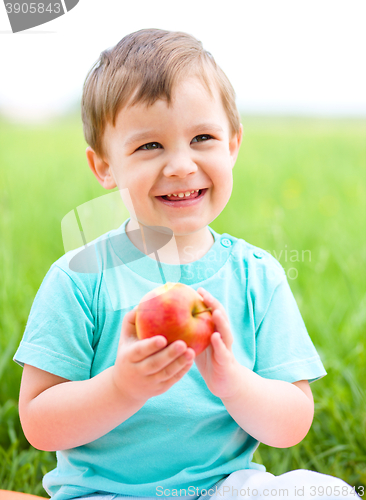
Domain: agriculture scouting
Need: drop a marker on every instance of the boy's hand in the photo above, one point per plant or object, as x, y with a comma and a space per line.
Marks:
148, 367
217, 363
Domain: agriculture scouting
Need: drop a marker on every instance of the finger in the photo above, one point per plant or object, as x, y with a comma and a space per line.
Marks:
220, 351
176, 366
159, 360
177, 375
128, 329
143, 349
201, 291
210, 300
223, 327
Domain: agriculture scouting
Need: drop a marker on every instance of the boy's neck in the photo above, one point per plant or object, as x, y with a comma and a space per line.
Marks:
190, 247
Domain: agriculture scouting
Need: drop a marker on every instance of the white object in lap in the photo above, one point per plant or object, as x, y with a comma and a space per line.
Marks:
301, 483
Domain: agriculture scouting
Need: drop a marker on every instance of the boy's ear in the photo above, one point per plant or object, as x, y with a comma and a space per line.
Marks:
101, 169
234, 145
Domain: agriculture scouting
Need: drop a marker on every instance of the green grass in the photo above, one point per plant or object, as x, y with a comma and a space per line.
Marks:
299, 192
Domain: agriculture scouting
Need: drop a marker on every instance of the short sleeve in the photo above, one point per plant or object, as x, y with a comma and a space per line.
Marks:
59, 333
284, 349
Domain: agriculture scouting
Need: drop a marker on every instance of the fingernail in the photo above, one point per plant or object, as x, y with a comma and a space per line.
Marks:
160, 341
179, 347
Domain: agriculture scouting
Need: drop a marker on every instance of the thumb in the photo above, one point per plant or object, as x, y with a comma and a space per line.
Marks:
128, 330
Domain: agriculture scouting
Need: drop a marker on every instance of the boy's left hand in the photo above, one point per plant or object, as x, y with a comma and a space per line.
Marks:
217, 363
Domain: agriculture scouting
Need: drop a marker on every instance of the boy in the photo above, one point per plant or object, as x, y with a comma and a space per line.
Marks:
139, 418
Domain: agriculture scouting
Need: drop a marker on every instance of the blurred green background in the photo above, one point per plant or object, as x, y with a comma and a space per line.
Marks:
299, 193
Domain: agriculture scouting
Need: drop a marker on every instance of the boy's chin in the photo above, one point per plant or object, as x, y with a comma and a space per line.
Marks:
178, 228
189, 230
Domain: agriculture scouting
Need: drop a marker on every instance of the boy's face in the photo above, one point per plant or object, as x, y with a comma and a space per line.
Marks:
181, 148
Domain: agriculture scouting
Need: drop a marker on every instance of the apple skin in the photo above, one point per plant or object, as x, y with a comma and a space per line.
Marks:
171, 310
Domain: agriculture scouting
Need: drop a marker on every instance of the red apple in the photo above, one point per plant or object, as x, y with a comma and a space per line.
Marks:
177, 312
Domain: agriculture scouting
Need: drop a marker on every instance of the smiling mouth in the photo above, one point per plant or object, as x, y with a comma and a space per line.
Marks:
186, 196
184, 201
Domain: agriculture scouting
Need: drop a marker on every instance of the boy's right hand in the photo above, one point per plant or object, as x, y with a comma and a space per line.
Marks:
148, 367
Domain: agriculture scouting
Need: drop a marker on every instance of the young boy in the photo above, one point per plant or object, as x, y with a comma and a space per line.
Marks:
138, 418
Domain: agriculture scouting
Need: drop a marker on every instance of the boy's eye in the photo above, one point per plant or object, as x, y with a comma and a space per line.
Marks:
204, 136
156, 145
150, 145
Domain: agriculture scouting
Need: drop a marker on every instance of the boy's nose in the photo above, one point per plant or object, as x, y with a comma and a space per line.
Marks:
179, 165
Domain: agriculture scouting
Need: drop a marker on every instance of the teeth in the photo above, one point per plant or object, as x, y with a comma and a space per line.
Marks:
182, 195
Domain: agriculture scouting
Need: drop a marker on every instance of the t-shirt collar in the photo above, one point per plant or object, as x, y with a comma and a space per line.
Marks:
189, 274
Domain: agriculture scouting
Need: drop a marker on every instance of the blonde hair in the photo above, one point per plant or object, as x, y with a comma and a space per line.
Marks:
143, 67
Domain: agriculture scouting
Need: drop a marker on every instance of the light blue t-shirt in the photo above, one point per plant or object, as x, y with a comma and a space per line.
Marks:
184, 439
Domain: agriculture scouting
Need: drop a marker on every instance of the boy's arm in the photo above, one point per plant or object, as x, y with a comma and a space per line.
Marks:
58, 414
274, 412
